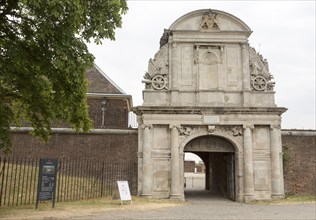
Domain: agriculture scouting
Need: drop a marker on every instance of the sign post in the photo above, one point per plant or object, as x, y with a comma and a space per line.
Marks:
47, 181
125, 194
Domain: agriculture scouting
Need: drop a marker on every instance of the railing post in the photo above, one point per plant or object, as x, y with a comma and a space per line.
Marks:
2, 179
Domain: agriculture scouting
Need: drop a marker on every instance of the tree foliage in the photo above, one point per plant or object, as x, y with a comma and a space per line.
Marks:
44, 58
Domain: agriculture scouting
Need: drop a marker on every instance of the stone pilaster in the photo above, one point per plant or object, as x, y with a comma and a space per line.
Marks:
277, 189
174, 65
245, 66
146, 177
248, 164
175, 162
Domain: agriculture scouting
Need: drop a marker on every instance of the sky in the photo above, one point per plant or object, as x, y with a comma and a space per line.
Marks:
283, 32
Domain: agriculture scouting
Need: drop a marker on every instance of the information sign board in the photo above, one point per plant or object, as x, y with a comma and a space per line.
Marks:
47, 180
125, 194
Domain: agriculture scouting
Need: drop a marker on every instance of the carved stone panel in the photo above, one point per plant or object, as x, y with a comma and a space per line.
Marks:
161, 139
261, 175
261, 138
208, 59
187, 65
233, 65
161, 175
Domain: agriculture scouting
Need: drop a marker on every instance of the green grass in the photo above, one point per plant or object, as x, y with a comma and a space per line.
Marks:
288, 200
45, 209
20, 185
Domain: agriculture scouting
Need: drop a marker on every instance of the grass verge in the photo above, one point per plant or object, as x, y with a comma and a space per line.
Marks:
81, 208
288, 200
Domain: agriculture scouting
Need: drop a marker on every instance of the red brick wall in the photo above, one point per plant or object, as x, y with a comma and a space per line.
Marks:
116, 113
189, 166
109, 147
299, 164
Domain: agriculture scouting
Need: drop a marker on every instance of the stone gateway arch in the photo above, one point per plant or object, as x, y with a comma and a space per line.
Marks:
208, 92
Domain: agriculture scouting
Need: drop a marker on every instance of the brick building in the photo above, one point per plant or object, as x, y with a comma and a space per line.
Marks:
112, 139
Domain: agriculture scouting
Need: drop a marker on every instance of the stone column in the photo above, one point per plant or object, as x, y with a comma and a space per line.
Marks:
175, 165
140, 156
181, 176
248, 164
276, 168
239, 174
146, 177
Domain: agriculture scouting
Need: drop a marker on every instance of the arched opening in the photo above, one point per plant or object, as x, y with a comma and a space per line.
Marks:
218, 155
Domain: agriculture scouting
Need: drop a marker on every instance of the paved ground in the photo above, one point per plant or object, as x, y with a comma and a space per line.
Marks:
202, 205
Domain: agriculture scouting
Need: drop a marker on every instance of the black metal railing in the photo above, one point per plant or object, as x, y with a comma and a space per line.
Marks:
77, 179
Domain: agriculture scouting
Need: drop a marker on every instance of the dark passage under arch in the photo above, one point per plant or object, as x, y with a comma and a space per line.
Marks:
218, 155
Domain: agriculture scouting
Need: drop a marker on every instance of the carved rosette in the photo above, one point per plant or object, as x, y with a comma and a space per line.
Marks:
261, 79
156, 78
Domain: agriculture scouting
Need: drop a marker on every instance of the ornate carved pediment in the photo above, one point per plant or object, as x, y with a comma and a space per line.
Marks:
156, 78
261, 79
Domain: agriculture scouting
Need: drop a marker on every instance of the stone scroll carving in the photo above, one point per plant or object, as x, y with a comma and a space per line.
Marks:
261, 79
156, 78
234, 131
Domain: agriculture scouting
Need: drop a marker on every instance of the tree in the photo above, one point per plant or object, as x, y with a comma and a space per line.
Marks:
44, 58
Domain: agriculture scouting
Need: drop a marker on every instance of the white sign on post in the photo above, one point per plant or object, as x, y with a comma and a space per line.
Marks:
125, 194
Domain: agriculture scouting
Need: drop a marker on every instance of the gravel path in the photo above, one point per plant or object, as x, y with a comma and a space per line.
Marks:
201, 206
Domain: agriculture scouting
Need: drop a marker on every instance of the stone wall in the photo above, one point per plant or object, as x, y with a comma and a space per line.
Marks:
299, 153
